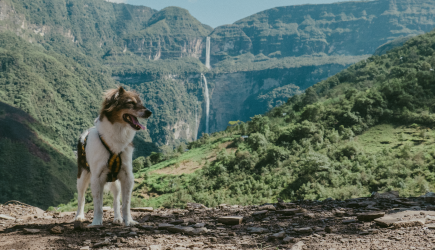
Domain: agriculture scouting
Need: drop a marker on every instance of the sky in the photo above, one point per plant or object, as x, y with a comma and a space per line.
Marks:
220, 12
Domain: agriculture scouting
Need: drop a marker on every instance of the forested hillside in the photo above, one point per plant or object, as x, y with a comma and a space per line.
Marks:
367, 129
57, 57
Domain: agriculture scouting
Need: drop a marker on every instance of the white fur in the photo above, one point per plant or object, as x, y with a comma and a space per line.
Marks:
118, 137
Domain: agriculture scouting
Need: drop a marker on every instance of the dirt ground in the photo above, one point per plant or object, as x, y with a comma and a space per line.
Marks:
364, 223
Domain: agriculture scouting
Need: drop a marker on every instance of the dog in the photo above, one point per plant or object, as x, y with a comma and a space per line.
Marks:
105, 155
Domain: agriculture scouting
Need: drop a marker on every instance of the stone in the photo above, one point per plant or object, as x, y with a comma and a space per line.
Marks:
349, 221
298, 246
279, 235
6, 217
370, 216
259, 213
155, 247
329, 229
84, 248
198, 225
180, 229
230, 220
56, 230
212, 239
430, 226
101, 244
107, 209
257, 230
303, 230
287, 239
267, 207
396, 221
31, 231
198, 231
142, 209
145, 227
165, 226
79, 226
309, 215
290, 211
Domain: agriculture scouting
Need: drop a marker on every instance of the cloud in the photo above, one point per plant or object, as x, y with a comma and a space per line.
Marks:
116, 1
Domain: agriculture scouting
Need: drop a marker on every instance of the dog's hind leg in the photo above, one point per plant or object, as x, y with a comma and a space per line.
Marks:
115, 187
82, 185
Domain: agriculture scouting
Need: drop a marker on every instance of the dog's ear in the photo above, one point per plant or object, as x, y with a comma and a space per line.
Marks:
120, 92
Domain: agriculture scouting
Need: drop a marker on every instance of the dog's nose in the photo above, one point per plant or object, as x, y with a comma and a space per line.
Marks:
147, 113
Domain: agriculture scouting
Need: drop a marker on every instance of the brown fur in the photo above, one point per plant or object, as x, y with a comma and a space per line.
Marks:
81, 159
117, 102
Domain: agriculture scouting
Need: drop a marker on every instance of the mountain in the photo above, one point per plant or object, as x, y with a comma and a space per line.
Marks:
57, 57
366, 129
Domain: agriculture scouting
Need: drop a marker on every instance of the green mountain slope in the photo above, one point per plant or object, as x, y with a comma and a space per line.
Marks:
368, 128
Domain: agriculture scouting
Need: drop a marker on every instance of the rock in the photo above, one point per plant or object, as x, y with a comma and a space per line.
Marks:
260, 213
339, 213
212, 239
329, 229
106, 209
430, 226
257, 230
199, 231
198, 225
303, 230
370, 216
267, 207
298, 246
79, 226
287, 239
132, 234
56, 230
309, 215
165, 226
31, 231
142, 209
401, 219
279, 235
155, 247
386, 195
84, 248
349, 221
180, 229
290, 211
101, 244
230, 220
145, 227
6, 217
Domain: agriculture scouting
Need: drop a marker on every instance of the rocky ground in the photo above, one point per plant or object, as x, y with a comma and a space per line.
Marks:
381, 222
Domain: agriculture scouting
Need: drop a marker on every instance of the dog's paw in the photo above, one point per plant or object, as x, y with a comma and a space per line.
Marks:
117, 221
80, 218
130, 223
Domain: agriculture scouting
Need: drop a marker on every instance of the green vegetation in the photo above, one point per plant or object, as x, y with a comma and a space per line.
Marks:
368, 128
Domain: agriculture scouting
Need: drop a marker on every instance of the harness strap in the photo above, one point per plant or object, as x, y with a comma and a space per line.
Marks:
114, 163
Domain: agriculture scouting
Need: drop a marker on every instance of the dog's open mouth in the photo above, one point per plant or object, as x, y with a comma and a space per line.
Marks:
132, 120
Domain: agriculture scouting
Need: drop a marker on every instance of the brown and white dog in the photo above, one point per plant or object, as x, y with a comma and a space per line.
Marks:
105, 155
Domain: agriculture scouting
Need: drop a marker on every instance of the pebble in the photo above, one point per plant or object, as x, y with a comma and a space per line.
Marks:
56, 230
230, 220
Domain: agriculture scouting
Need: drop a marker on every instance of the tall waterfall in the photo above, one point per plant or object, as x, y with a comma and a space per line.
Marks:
207, 105
196, 122
207, 53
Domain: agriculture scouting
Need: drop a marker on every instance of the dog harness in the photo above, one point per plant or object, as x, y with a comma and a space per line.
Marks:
114, 163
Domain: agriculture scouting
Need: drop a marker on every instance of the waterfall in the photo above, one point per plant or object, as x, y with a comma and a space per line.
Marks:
196, 122
207, 53
207, 105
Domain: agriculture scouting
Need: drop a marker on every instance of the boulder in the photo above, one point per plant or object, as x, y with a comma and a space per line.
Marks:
230, 220
142, 209
370, 216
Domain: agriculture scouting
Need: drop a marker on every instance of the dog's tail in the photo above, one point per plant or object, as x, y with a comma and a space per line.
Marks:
82, 162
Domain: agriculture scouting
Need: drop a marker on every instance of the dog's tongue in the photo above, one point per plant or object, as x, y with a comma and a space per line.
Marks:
136, 122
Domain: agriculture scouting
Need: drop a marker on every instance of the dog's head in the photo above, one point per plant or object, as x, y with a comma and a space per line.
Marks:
125, 107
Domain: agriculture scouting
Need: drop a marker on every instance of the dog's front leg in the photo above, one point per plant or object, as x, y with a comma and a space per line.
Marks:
127, 181
97, 186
